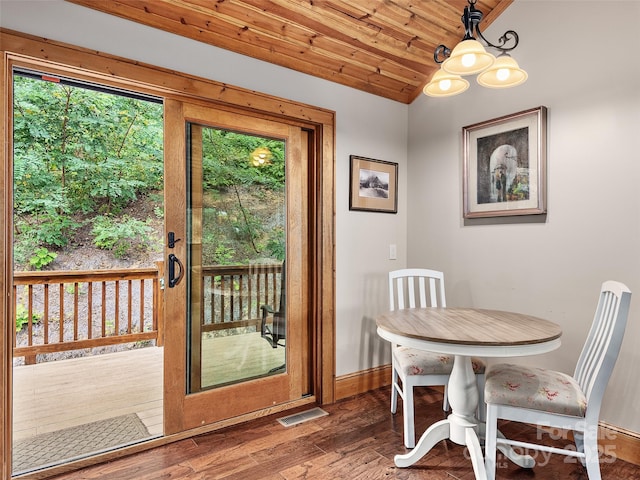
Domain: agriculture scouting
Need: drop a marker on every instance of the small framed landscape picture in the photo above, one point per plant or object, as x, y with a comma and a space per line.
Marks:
505, 165
373, 185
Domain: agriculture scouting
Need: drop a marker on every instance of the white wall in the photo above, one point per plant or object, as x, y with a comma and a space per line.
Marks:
366, 125
581, 66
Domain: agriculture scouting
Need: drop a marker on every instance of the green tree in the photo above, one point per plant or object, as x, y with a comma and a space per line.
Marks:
228, 169
78, 150
81, 156
226, 160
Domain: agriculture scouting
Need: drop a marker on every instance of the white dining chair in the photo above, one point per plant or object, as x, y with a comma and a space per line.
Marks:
554, 399
411, 288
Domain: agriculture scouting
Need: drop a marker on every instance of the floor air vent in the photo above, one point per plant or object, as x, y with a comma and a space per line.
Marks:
301, 417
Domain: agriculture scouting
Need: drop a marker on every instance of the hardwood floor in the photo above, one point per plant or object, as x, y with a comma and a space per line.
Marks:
357, 440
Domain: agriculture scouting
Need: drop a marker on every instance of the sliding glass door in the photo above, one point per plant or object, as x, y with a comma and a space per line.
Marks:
236, 257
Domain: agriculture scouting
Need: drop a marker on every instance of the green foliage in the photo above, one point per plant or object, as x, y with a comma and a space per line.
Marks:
246, 226
25, 241
118, 234
226, 160
79, 150
22, 317
41, 258
70, 288
276, 246
35, 191
223, 255
239, 217
87, 155
55, 230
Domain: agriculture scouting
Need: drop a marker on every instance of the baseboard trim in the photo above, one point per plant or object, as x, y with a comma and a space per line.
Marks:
362, 381
616, 441
622, 443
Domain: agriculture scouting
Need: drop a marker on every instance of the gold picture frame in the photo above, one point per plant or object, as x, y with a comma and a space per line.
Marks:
505, 165
373, 185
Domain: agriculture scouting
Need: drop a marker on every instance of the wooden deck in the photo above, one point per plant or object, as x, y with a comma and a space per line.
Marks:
51, 396
67, 393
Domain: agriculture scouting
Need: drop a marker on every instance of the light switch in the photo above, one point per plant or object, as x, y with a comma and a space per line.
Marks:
392, 252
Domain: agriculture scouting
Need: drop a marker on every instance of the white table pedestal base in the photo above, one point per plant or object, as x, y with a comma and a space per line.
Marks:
461, 426
441, 431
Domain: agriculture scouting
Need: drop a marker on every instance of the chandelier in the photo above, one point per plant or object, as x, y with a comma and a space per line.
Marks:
469, 57
260, 157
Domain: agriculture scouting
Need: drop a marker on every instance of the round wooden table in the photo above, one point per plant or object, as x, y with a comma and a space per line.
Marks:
466, 332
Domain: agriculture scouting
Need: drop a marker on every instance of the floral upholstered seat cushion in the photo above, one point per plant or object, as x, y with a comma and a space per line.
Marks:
534, 388
411, 361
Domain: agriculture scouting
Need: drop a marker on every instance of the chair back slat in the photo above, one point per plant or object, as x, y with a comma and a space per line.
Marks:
399, 296
601, 348
423, 292
411, 292
416, 287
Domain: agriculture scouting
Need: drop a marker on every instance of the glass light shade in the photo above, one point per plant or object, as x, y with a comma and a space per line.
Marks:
504, 73
444, 84
261, 156
467, 58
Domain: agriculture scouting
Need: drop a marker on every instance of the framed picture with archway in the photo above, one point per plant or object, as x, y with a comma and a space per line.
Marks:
504, 165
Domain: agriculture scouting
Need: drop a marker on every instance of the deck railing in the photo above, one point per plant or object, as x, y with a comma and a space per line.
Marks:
72, 310
233, 295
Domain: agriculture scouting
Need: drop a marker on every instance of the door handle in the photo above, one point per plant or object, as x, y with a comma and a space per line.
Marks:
173, 280
172, 240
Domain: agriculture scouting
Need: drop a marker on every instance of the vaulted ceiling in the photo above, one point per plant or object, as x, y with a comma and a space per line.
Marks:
384, 47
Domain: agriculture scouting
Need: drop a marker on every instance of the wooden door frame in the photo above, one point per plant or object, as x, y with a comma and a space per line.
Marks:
184, 411
57, 57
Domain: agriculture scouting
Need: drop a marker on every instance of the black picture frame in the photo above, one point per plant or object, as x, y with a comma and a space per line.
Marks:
373, 185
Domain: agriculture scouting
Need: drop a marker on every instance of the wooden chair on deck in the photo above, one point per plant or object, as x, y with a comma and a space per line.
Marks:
276, 331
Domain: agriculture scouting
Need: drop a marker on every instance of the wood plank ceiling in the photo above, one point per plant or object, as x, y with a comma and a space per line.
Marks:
384, 47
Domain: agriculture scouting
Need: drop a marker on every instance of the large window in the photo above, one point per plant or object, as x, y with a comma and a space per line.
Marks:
88, 174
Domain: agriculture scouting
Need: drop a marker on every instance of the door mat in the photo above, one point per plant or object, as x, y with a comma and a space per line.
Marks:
305, 416
77, 442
